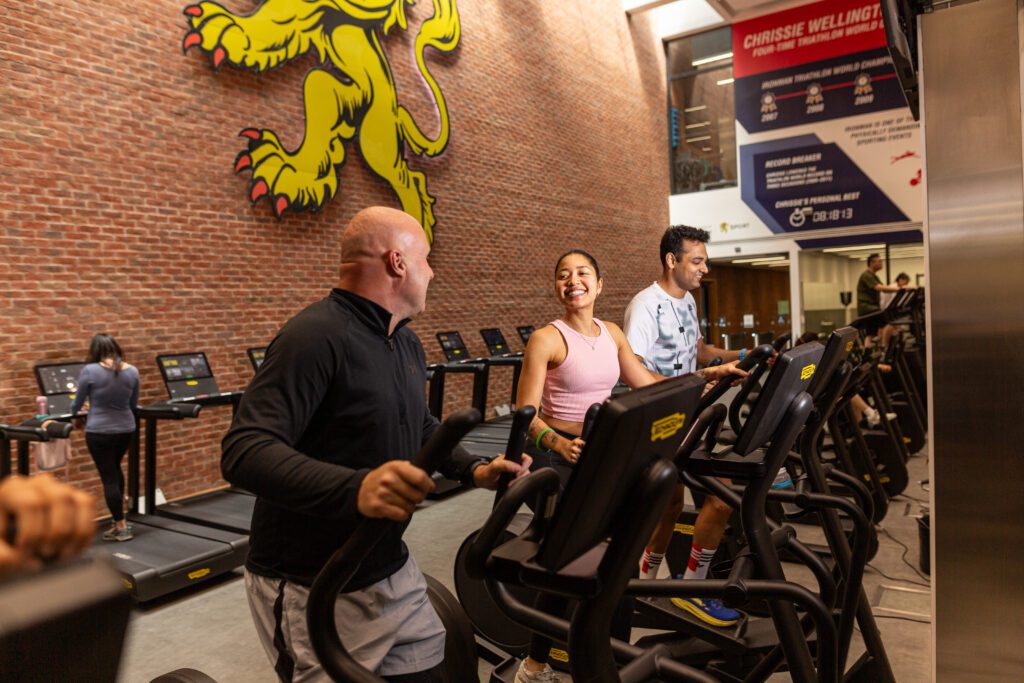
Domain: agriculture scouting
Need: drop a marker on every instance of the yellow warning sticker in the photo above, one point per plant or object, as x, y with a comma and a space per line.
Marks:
808, 371
191, 382
198, 574
685, 529
849, 346
667, 426
558, 655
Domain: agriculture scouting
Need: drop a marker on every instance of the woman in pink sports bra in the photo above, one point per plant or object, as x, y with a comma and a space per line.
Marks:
571, 364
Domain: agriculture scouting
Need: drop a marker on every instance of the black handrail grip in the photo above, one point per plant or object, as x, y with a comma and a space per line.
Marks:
344, 563
521, 421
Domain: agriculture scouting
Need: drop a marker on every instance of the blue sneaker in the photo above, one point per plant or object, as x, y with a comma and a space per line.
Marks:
709, 610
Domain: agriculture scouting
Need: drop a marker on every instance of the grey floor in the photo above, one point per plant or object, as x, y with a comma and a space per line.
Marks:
210, 630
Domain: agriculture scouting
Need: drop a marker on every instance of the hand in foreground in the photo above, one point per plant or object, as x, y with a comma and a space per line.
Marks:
724, 371
53, 520
571, 450
393, 490
487, 476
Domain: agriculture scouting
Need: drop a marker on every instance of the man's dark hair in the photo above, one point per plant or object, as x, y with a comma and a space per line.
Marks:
672, 240
872, 257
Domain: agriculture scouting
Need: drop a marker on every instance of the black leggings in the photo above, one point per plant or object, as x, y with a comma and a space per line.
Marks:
435, 675
107, 451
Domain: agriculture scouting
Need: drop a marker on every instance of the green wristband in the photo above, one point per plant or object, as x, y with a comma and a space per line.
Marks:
541, 436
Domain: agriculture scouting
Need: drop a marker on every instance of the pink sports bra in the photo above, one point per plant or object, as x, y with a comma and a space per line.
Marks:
585, 377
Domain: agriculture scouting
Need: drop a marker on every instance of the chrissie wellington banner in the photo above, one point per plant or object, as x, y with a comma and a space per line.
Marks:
824, 137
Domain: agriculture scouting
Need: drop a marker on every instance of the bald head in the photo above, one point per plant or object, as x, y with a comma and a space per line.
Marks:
384, 259
375, 231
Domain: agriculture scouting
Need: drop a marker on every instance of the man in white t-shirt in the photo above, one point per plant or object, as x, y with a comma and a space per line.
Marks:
661, 326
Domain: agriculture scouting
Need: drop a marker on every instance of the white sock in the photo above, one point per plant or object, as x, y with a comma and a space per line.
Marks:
700, 561
650, 564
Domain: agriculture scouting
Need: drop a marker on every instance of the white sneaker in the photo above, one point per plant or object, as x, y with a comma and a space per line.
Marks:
872, 418
546, 675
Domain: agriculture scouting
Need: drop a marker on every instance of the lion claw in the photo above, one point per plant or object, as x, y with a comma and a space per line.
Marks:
280, 204
251, 133
219, 55
243, 162
193, 11
192, 38
259, 189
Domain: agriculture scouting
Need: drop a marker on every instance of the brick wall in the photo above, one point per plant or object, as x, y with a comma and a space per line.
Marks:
119, 212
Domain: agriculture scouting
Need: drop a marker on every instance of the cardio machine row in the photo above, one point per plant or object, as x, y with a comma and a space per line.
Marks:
586, 543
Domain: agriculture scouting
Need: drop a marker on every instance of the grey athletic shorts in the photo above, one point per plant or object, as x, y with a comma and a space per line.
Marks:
389, 627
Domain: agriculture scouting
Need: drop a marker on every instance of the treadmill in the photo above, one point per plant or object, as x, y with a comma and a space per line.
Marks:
166, 554
501, 355
189, 380
524, 332
256, 356
489, 438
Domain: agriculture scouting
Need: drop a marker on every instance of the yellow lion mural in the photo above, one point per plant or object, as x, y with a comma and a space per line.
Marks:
358, 103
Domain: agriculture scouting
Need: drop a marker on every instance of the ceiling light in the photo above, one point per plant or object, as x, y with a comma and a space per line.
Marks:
761, 258
671, 19
702, 137
833, 250
725, 81
705, 149
699, 124
783, 264
701, 107
713, 58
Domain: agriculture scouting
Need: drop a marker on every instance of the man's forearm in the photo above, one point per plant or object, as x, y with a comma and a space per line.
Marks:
708, 353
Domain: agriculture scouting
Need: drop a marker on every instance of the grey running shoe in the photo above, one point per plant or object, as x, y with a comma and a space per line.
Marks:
546, 675
115, 534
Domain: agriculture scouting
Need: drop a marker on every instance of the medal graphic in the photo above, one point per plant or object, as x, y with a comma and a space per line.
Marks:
862, 84
814, 94
768, 103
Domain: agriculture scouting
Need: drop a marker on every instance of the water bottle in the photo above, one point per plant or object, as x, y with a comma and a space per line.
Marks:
42, 406
784, 481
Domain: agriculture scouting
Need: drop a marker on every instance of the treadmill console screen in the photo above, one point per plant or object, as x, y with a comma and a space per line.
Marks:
256, 356
59, 383
495, 341
187, 376
452, 345
524, 332
185, 366
59, 379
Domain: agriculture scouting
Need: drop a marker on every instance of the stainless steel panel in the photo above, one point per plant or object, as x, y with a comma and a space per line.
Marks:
971, 70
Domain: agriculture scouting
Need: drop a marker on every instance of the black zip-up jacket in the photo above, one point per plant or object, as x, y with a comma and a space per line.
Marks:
335, 397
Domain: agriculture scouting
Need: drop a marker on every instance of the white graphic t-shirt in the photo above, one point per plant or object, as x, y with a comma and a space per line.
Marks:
663, 330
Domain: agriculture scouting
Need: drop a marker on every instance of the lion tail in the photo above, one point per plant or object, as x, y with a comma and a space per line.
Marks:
440, 32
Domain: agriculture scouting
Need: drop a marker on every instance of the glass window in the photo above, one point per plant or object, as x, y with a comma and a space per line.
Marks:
701, 112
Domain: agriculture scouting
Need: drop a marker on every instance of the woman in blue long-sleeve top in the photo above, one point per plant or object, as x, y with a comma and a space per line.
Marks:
112, 388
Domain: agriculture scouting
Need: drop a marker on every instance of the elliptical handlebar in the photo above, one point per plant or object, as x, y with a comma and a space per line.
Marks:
521, 421
781, 341
755, 356
344, 563
588, 420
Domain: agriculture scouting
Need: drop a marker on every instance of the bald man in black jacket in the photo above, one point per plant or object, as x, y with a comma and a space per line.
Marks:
323, 437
